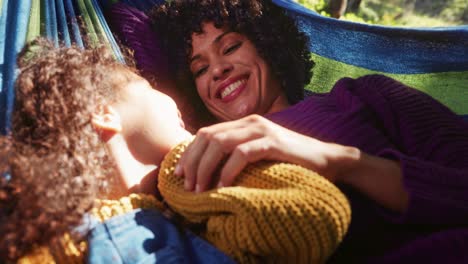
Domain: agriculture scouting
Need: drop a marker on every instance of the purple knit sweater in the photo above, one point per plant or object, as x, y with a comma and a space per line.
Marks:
385, 118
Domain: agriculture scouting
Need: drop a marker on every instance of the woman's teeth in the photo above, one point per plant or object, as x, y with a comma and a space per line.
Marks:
232, 87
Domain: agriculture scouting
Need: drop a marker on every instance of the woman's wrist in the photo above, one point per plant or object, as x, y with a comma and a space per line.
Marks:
345, 159
333, 161
376, 177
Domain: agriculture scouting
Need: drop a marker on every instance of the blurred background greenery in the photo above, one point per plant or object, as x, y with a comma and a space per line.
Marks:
411, 13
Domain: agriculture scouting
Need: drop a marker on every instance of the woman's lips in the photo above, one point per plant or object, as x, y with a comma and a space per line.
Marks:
233, 90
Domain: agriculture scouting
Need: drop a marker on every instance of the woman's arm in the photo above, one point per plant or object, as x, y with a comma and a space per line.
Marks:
255, 138
378, 178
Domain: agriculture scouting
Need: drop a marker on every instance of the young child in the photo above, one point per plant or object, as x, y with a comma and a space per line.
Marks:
86, 127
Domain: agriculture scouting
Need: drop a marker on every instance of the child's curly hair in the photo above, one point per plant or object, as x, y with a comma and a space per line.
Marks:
55, 160
275, 35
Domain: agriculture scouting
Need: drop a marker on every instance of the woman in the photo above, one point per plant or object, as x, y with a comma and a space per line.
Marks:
400, 156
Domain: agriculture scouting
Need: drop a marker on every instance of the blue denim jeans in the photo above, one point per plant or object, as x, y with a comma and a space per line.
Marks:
146, 236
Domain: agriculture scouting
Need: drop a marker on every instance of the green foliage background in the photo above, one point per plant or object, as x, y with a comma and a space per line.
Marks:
412, 13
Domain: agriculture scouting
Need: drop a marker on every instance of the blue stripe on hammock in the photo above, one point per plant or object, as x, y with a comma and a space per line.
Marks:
73, 23
17, 21
45, 29
3, 20
51, 21
385, 49
108, 32
62, 23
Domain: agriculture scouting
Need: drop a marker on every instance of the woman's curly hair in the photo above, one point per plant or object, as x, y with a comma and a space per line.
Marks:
274, 34
53, 163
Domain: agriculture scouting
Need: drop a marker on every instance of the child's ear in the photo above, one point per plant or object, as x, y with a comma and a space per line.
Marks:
107, 122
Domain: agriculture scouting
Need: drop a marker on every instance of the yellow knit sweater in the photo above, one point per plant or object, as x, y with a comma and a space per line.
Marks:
276, 212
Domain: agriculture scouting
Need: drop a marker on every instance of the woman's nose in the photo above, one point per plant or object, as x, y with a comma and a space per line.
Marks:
221, 70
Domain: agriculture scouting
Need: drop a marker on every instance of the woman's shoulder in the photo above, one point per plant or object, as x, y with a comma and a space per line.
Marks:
372, 85
374, 90
353, 85
348, 94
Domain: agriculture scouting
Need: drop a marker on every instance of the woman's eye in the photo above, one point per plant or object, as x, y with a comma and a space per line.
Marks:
232, 48
200, 71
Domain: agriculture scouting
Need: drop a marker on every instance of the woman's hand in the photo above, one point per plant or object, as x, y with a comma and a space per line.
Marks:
229, 147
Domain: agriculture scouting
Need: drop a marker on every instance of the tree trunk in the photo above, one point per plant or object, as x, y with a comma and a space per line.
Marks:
353, 6
336, 8
409, 6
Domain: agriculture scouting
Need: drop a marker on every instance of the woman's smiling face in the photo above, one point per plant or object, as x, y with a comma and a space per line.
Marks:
231, 78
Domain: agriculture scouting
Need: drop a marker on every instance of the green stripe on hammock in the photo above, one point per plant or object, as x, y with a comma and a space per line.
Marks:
95, 20
98, 26
450, 88
91, 32
34, 25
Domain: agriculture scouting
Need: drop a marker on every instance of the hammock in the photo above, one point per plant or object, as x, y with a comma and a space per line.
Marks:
433, 60
78, 22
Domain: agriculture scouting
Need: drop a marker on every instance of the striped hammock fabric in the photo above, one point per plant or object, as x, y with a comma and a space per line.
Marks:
78, 22
434, 60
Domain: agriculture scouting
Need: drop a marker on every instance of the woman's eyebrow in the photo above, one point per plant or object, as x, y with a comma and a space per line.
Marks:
216, 40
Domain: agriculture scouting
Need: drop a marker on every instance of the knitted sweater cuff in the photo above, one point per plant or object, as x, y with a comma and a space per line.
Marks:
433, 194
